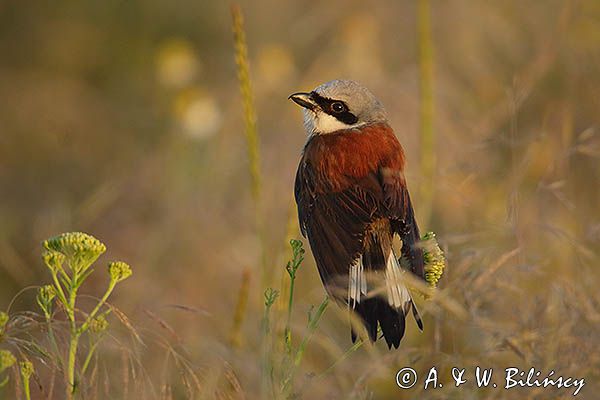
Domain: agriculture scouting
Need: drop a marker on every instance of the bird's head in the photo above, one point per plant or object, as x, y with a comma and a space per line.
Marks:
339, 105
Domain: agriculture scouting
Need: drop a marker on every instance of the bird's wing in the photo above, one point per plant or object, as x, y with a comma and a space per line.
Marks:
398, 208
335, 223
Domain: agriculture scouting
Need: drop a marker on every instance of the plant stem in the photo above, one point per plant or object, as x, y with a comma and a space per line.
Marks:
312, 326
427, 133
59, 291
73, 344
351, 350
267, 367
252, 138
53, 338
27, 389
74, 335
288, 329
240, 310
73, 341
89, 356
109, 290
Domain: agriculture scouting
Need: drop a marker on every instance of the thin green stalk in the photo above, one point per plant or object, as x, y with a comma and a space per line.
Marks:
291, 268
52, 337
313, 323
270, 296
26, 369
74, 335
86, 363
27, 389
312, 327
90, 317
288, 330
427, 133
60, 293
76, 332
347, 353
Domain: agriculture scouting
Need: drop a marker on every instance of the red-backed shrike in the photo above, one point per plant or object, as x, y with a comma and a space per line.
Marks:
352, 200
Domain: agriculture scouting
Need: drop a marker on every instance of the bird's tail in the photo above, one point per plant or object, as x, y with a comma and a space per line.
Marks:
385, 308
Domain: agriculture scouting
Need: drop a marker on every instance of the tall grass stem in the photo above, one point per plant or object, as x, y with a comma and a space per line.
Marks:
426, 113
251, 131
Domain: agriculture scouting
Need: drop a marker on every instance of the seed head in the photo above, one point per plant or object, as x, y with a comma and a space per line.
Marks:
98, 324
53, 260
7, 360
3, 320
80, 248
47, 293
119, 271
26, 369
44, 298
435, 262
270, 296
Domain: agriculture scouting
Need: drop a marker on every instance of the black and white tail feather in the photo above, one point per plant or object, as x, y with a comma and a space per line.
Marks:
389, 310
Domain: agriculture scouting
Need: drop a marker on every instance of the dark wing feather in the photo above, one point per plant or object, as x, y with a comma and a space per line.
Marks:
402, 217
335, 225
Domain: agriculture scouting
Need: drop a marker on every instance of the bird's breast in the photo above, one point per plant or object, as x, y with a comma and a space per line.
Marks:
338, 160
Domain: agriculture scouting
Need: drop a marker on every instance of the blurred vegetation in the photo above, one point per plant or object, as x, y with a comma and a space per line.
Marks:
124, 119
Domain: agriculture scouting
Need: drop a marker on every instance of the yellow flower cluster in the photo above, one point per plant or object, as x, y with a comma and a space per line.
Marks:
7, 360
98, 324
26, 369
81, 249
3, 320
119, 271
435, 262
47, 293
53, 260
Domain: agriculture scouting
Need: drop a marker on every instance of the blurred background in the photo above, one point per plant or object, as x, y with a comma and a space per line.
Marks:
124, 119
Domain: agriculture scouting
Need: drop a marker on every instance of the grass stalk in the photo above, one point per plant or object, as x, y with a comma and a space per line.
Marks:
74, 334
270, 296
235, 337
346, 354
291, 268
26, 369
426, 112
251, 132
312, 327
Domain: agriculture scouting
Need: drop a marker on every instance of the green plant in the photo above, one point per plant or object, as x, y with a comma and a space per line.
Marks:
435, 261
278, 382
26, 368
7, 360
69, 258
291, 268
270, 296
292, 356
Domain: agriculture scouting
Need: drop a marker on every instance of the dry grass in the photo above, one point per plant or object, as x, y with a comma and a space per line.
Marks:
99, 116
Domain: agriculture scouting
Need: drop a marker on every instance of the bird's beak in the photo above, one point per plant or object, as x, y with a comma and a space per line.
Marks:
303, 99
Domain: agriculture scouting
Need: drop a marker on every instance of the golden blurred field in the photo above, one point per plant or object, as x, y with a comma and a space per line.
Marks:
124, 119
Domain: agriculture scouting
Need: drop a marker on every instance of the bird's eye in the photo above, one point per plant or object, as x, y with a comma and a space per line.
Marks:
338, 107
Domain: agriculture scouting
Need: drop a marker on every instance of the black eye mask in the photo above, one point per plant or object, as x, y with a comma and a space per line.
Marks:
335, 108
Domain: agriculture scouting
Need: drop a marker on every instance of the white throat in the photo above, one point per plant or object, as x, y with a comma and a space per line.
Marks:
319, 122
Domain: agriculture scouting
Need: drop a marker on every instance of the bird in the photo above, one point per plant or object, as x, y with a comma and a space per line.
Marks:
353, 203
